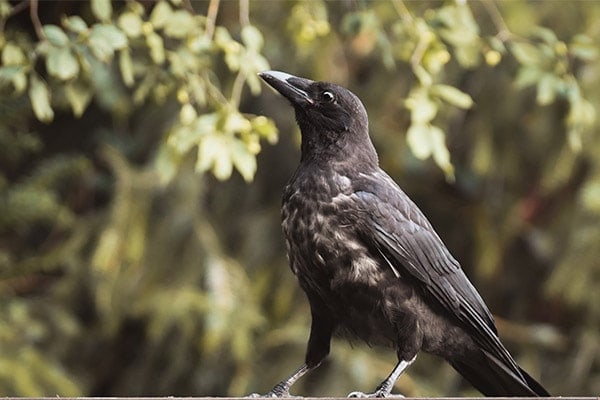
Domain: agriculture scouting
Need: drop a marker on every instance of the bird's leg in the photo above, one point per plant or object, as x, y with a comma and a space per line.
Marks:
282, 389
385, 388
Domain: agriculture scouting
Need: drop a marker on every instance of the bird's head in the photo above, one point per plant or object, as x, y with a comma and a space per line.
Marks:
333, 121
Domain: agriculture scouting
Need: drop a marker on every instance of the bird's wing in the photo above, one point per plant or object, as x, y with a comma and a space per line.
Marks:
394, 227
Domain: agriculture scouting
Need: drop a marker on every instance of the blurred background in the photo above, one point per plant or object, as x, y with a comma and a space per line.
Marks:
142, 164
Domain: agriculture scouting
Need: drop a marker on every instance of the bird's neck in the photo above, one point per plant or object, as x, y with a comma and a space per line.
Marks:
331, 149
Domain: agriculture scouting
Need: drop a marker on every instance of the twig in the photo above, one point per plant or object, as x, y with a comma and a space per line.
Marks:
238, 86
402, 11
211, 18
35, 19
503, 32
244, 12
15, 10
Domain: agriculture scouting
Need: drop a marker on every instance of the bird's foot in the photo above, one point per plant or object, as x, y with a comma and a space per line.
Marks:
277, 392
376, 394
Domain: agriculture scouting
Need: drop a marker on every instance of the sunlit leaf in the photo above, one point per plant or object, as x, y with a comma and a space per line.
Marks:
160, 14
131, 24
180, 24
55, 35
39, 95
418, 139
105, 39
62, 63
75, 24
126, 67
252, 37
527, 54
12, 55
453, 96
157, 49
547, 88
243, 160
423, 108
79, 97
102, 9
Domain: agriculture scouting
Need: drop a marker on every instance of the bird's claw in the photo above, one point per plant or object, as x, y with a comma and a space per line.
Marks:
276, 392
376, 394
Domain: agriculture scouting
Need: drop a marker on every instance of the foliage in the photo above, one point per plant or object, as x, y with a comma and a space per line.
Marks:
126, 268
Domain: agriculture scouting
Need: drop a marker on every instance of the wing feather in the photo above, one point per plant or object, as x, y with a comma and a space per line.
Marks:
411, 248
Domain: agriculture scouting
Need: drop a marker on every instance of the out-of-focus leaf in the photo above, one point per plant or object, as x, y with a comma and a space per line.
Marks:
102, 9
528, 76
160, 14
16, 75
12, 55
39, 95
527, 54
417, 138
547, 88
79, 97
440, 152
126, 67
157, 49
265, 128
62, 63
243, 160
423, 108
75, 24
180, 24
453, 96
131, 24
584, 48
105, 39
252, 37
214, 154
55, 35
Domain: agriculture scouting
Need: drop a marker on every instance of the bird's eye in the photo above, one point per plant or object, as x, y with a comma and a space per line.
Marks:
328, 97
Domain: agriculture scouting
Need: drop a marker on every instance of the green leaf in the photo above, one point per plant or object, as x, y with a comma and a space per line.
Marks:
547, 88
55, 35
243, 160
102, 10
584, 48
62, 63
527, 76
180, 24
236, 123
440, 152
15, 75
252, 37
527, 54
266, 128
75, 24
417, 138
105, 39
160, 14
12, 55
213, 153
422, 108
79, 97
126, 67
157, 49
452, 95
39, 95
166, 163
131, 24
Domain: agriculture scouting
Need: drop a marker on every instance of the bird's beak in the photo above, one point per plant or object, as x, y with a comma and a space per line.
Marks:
291, 87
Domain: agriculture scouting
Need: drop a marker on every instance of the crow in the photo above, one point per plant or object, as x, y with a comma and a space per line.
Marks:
369, 261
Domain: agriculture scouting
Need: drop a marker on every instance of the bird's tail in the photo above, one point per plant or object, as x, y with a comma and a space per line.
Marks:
493, 378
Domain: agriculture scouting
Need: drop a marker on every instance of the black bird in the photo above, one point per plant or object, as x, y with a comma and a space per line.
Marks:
369, 261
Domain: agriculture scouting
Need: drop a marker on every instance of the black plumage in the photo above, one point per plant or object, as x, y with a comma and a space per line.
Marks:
370, 262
